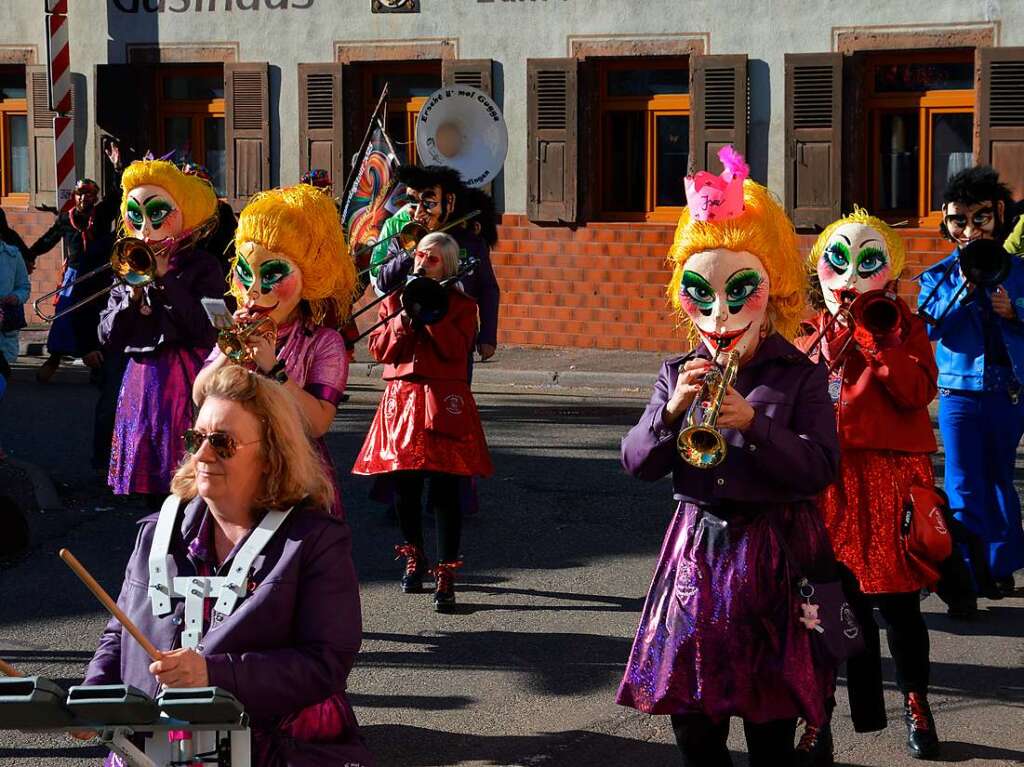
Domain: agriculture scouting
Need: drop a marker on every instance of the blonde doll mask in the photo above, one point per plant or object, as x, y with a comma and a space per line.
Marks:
855, 259
270, 282
725, 295
151, 214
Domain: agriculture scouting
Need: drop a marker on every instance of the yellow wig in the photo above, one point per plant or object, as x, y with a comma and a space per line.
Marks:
763, 230
193, 195
302, 223
893, 242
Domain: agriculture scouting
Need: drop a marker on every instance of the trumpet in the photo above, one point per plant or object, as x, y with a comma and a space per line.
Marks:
233, 342
133, 263
700, 443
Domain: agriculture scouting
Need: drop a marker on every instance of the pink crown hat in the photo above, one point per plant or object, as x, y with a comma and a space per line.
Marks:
717, 198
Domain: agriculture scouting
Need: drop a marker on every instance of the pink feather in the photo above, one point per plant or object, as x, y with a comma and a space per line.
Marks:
733, 163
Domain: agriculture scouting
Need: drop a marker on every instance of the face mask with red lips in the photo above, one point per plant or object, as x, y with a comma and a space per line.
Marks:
854, 261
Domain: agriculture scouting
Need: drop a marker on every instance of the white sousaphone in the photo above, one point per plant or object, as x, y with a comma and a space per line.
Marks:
462, 127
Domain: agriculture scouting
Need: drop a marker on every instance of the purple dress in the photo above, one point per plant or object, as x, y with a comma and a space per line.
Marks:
166, 337
317, 361
719, 634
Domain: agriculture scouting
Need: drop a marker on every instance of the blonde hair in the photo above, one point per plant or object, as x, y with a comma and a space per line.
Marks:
293, 470
763, 230
302, 223
193, 195
897, 251
449, 251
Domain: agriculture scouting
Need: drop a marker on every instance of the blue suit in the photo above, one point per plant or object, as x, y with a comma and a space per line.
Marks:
980, 356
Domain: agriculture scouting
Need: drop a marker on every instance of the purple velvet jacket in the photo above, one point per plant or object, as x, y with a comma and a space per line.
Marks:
789, 453
289, 644
481, 284
176, 316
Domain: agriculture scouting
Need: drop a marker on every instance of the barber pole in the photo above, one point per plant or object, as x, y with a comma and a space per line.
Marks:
59, 69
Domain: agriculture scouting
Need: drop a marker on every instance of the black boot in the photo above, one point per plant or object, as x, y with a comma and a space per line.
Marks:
444, 592
1006, 586
815, 748
922, 740
415, 567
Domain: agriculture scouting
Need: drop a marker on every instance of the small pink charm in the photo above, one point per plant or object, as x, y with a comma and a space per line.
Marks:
810, 618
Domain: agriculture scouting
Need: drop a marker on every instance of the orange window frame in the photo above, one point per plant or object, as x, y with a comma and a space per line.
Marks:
10, 108
926, 104
653, 107
403, 109
197, 110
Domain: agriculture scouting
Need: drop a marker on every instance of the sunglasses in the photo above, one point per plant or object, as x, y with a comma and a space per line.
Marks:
224, 445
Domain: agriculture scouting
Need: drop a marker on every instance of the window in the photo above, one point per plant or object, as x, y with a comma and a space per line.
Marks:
190, 114
920, 109
14, 171
644, 138
409, 86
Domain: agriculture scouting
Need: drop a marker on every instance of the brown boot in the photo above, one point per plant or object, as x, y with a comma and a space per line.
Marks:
47, 369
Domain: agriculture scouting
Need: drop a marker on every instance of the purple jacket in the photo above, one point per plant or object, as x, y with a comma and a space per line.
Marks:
481, 284
289, 644
176, 317
789, 453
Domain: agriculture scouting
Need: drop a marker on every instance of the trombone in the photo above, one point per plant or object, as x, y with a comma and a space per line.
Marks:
877, 311
132, 262
408, 238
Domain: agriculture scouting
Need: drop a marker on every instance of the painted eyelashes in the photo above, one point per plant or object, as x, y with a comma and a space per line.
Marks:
271, 273
156, 209
869, 260
738, 290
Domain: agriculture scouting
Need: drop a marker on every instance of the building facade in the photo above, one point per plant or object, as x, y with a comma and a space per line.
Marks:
608, 104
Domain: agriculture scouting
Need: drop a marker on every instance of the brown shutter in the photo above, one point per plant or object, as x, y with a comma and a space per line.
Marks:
41, 159
1000, 117
814, 103
247, 130
718, 95
476, 73
320, 120
552, 133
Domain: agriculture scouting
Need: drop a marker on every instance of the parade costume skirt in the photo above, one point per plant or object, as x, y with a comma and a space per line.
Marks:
720, 633
863, 513
153, 411
405, 437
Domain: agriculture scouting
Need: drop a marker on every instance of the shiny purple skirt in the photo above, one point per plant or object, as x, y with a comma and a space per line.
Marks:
720, 632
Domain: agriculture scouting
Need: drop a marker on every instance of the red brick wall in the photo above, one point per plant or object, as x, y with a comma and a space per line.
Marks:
602, 285
31, 223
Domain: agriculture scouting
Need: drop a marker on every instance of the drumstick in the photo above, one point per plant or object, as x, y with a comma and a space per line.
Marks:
8, 669
106, 601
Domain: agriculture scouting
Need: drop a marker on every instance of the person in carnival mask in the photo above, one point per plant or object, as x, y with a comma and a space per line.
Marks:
979, 348
162, 326
291, 264
881, 380
722, 632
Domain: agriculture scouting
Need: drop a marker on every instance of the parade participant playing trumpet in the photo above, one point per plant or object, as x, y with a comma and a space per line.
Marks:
881, 380
250, 503
161, 326
722, 632
292, 268
427, 423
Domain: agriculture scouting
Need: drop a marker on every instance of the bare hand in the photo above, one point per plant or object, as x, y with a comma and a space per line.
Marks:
113, 150
263, 352
82, 734
687, 385
181, 668
1001, 303
736, 412
486, 351
93, 359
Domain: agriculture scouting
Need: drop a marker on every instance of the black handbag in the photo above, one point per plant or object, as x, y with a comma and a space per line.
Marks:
14, 317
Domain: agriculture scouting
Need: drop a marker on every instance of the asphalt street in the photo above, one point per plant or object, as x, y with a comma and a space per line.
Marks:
557, 564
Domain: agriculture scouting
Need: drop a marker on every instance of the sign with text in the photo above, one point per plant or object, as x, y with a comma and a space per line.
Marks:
209, 6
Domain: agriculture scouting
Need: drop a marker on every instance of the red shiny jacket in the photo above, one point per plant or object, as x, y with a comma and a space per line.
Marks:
439, 351
884, 395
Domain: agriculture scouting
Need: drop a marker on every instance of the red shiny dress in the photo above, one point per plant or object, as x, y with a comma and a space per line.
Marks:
881, 398
427, 419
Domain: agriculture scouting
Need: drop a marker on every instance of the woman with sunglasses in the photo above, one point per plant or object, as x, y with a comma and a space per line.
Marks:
427, 423
161, 327
291, 265
286, 646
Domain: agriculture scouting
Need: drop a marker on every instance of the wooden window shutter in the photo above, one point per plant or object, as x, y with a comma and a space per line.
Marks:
476, 73
718, 98
1000, 116
552, 139
320, 120
40, 142
814, 108
247, 130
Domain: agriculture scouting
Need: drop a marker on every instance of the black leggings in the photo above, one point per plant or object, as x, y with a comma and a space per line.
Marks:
907, 635
702, 741
448, 515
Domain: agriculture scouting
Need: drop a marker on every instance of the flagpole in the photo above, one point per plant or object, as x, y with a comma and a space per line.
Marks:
354, 169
